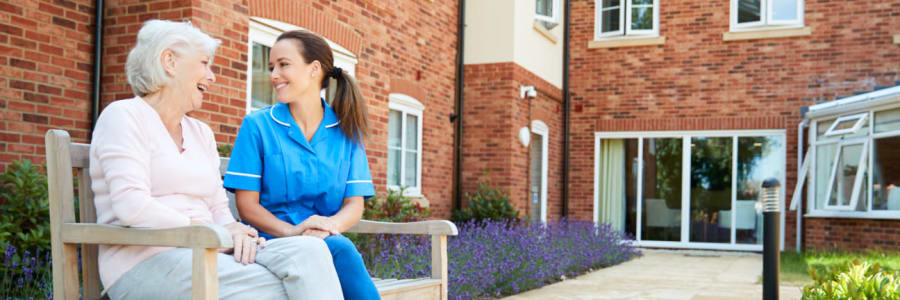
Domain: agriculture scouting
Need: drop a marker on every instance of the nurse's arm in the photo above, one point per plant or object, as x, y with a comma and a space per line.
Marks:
260, 217
350, 213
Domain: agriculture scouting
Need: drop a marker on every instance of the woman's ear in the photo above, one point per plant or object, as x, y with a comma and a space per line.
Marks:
315, 68
167, 59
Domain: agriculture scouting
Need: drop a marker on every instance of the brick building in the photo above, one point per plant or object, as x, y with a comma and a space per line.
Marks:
685, 106
694, 103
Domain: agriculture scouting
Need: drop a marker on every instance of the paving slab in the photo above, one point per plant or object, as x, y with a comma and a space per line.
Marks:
661, 274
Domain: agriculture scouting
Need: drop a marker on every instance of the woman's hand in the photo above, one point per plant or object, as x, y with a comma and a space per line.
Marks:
324, 224
316, 233
246, 240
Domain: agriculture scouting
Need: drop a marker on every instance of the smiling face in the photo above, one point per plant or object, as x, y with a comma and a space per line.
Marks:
191, 75
291, 76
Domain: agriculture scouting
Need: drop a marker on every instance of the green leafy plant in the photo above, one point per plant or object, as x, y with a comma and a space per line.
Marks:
394, 207
224, 150
486, 203
24, 206
853, 280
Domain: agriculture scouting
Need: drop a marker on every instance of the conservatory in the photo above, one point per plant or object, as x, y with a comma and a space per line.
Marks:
852, 166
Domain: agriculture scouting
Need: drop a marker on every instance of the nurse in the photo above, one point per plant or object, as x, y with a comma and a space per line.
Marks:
299, 166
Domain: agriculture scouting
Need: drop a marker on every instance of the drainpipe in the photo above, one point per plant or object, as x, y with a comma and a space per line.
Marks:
565, 94
98, 51
800, 140
460, 76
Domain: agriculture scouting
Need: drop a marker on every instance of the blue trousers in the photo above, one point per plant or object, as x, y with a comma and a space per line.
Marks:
351, 271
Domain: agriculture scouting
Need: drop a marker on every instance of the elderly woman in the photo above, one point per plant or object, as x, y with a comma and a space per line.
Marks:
153, 166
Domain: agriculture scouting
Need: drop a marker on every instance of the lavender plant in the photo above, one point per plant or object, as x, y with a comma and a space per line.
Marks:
27, 275
496, 258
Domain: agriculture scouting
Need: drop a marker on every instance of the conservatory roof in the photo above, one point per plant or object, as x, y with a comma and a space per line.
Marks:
865, 100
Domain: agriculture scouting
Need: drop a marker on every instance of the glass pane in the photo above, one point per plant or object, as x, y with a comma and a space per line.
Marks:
394, 128
759, 158
611, 3
393, 171
661, 220
618, 186
887, 121
822, 127
544, 8
886, 174
262, 93
784, 10
412, 133
534, 190
410, 176
640, 2
825, 156
848, 164
642, 18
749, 11
610, 18
710, 188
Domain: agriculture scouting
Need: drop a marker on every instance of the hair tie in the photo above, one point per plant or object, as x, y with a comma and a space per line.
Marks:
335, 72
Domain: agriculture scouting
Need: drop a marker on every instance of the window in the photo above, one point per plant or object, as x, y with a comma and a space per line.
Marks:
538, 182
616, 18
547, 11
261, 37
855, 169
748, 14
404, 167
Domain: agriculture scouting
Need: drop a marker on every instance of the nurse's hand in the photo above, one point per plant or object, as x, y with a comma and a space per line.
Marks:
321, 223
316, 233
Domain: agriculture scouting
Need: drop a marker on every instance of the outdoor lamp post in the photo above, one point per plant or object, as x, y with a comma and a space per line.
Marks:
771, 220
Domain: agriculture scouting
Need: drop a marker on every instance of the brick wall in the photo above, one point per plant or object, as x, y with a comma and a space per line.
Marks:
45, 72
697, 81
850, 234
493, 115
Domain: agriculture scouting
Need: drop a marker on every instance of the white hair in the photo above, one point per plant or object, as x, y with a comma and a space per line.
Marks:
144, 69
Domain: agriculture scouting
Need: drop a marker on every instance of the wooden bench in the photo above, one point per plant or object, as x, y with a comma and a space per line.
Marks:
67, 233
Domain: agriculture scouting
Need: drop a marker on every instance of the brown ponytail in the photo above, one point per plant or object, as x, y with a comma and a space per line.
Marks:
348, 103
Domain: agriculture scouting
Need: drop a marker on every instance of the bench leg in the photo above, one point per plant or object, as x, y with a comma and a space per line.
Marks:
439, 261
204, 279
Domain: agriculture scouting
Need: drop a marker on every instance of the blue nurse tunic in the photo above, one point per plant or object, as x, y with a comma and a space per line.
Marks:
297, 178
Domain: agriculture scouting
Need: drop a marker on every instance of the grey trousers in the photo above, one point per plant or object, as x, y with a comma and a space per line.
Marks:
287, 268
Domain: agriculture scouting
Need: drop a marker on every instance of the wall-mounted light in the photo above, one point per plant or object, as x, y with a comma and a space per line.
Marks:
524, 136
527, 90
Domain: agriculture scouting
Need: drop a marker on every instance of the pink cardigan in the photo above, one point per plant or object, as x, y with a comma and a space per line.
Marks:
141, 180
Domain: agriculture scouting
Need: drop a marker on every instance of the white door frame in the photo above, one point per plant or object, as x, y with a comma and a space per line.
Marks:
685, 220
540, 128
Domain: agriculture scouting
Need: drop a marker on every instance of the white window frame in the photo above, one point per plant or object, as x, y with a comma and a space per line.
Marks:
625, 30
408, 105
860, 118
857, 182
815, 212
765, 21
540, 128
553, 18
686, 137
265, 32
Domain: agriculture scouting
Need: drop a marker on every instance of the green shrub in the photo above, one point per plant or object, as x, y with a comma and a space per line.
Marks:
487, 203
224, 150
24, 207
395, 207
852, 280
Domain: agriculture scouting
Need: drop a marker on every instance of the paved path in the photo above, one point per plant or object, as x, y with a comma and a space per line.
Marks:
657, 274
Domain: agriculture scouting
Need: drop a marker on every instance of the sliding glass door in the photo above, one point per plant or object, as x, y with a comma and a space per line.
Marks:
693, 189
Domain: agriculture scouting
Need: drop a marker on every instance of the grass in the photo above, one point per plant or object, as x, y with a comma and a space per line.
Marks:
794, 265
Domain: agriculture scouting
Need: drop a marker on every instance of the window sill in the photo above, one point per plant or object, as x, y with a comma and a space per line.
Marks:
544, 32
885, 215
627, 42
766, 34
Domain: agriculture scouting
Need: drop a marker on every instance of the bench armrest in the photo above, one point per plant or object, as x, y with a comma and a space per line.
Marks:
194, 236
433, 227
